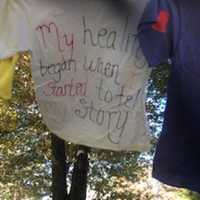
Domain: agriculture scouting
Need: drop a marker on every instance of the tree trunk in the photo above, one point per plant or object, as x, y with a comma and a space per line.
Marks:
59, 169
79, 177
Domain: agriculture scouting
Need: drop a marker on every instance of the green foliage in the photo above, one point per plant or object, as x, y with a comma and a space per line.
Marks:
24, 145
156, 98
188, 195
107, 172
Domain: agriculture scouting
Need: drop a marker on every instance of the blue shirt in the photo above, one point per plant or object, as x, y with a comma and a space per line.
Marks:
169, 29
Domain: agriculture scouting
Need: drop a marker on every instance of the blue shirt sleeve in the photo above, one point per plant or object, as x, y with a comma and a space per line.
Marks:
155, 32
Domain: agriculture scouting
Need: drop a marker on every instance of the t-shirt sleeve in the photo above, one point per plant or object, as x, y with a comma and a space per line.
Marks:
155, 32
15, 28
7, 68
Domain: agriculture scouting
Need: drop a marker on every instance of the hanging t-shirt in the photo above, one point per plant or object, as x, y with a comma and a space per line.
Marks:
169, 29
88, 69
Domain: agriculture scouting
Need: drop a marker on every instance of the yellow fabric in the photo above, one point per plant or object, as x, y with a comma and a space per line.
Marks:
7, 68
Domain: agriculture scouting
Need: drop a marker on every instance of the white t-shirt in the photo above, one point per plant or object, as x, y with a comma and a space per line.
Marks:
87, 66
